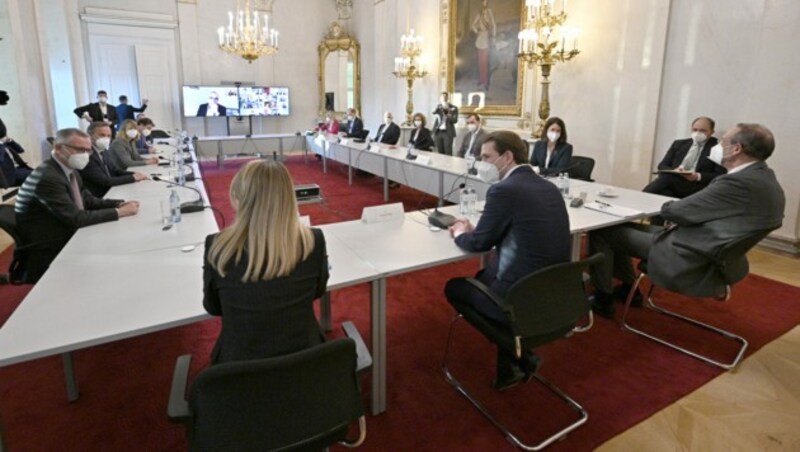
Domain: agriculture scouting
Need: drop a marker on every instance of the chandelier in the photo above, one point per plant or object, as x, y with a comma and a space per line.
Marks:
543, 42
246, 35
408, 68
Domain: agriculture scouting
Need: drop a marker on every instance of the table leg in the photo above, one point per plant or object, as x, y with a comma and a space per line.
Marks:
349, 167
441, 189
280, 148
576, 246
325, 149
325, 312
378, 333
305, 150
220, 155
69, 375
385, 179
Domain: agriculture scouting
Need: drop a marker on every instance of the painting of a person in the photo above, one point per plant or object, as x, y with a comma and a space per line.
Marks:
485, 30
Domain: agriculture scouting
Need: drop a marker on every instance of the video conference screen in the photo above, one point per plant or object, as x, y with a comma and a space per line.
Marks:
212, 101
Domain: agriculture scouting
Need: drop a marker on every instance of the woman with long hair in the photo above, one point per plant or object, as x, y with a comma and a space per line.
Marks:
552, 153
123, 153
263, 272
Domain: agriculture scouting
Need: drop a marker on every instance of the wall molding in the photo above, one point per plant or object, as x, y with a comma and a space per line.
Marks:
128, 18
784, 244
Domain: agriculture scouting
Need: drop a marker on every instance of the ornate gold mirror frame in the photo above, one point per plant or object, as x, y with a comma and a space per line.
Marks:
338, 39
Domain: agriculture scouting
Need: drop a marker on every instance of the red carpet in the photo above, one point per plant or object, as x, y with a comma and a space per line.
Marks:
620, 378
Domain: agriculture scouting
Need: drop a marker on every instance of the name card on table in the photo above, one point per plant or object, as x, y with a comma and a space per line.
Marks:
382, 213
424, 159
305, 220
343, 141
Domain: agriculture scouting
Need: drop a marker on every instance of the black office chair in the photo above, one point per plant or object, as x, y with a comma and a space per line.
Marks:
363, 135
581, 168
8, 223
542, 307
300, 401
731, 265
158, 134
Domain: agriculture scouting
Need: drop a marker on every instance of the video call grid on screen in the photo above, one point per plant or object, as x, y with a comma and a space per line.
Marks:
233, 101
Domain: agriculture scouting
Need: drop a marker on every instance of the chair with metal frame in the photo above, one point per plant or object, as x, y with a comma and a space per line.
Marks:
581, 168
301, 401
542, 307
731, 265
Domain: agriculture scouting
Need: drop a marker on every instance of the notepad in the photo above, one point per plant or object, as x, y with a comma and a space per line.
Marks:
617, 211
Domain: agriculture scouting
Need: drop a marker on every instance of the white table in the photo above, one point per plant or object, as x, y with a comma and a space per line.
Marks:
247, 139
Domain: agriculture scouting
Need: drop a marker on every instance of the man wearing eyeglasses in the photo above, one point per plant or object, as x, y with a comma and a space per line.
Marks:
212, 107
53, 203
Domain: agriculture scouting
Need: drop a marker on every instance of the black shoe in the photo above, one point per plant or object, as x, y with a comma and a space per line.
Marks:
603, 305
529, 364
621, 293
511, 378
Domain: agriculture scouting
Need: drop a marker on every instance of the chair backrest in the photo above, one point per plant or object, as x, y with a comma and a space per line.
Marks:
158, 133
364, 134
550, 299
581, 168
306, 399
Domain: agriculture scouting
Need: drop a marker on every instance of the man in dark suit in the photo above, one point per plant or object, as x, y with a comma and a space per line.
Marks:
99, 111
212, 107
52, 203
126, 111
388, 132
746, 200
444, 125
690, 155
98, 176
475, 136
13, 169
526, 220
355, 126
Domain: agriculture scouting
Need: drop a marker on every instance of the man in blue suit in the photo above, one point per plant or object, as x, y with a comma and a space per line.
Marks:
525, 220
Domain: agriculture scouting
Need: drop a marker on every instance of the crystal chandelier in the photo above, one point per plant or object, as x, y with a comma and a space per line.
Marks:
246, 35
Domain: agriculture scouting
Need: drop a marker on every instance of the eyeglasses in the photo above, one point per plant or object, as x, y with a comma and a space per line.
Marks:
75, 148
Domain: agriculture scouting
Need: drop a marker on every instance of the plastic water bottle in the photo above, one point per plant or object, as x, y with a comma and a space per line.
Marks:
564, 185
473, 200
463, 201
181, 176
175, 206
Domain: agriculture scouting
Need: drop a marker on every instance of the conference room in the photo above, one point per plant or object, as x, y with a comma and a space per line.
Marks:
398, 127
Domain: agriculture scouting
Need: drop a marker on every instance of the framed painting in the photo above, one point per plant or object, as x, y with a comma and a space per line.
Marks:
482, 66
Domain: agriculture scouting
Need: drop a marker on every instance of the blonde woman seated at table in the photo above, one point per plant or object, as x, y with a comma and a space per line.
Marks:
552, 153
123, 153
420, 136
264, 271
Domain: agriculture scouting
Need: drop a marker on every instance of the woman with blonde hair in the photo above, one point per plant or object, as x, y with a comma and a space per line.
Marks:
123, 153
263, 272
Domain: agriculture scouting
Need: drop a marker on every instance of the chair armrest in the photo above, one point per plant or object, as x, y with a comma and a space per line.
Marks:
178, 408
364, 360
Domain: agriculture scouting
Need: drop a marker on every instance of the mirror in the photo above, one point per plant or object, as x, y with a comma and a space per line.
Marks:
339, 72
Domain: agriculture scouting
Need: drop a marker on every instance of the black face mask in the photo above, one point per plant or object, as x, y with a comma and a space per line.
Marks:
4, 98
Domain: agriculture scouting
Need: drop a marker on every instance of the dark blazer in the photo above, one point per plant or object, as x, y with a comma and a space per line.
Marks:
13, 169
526, 219
391, 136
99, 178
97, 115
265, 318
450, 119
354, 128
203, 109
677, 152
559, 161
126, 111
421, 139
480, 135
122, 154
47, 216
731, 207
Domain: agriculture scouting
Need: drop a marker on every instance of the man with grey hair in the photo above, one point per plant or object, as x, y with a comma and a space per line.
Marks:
745, 201
52, 204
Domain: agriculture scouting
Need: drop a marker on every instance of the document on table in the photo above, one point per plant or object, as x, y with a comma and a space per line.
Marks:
674, 171
617, 211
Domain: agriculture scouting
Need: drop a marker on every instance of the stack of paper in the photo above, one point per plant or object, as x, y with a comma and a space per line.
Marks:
617, 211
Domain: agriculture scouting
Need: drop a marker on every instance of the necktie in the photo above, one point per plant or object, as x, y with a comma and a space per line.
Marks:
690, 161
104, 165
76, 192
471, 143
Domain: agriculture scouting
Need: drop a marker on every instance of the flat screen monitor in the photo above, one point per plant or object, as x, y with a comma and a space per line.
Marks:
210, 101
263, 101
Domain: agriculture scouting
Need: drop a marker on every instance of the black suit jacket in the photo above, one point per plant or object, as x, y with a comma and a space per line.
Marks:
525, 219
559, 161
47, 216
98, 177
355, 128
677, 152
203, 109
421, 139
391, 136
96, 114
13, 169
450, 115
265, 318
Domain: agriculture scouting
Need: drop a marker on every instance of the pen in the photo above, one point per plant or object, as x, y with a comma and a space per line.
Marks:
604, 204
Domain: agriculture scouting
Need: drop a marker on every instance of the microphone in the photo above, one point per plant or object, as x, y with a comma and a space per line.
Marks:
440, 219
190, 206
